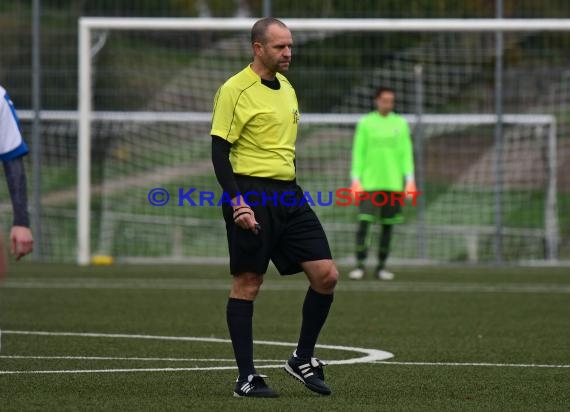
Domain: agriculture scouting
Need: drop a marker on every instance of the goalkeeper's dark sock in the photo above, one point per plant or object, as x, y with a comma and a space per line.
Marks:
384, 249
239, 314
361, 243
315, 311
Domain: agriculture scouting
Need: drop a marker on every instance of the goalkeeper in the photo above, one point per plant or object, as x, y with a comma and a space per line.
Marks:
382, 161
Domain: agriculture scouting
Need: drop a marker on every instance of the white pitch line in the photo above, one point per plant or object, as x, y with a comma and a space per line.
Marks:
370, 355
116, 336
218, 368
112, 358
362, 286
77, 371
483, 364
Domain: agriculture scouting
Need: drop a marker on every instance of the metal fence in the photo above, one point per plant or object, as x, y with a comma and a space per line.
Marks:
48, 31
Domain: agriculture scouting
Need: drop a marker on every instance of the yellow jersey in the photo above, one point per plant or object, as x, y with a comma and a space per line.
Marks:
260, 123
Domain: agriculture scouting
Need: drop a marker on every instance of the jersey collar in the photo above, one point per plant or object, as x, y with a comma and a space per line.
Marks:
256, 76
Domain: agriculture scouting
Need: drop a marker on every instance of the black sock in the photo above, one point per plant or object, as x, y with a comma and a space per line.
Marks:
384, 249
239, 314
361, 244
315, 311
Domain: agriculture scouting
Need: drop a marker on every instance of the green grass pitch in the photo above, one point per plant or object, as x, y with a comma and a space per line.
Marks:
463, 338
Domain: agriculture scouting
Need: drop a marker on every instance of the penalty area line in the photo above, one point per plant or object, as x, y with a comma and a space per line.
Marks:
366, 355
219, 368
125, 370
114, 358
474, 364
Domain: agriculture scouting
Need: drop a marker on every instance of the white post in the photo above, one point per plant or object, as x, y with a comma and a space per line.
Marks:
84, 146
551, 209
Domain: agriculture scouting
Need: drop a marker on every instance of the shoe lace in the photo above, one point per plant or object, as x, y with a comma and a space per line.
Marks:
317, 366
256, 381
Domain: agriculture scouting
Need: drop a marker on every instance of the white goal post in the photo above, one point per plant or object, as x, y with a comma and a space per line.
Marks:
86, 115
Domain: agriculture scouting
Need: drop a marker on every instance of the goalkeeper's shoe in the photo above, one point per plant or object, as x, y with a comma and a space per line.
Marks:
383, 274
254, 387
356, 274
310, 372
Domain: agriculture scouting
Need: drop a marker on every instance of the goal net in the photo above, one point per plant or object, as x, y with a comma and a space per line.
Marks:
146, 96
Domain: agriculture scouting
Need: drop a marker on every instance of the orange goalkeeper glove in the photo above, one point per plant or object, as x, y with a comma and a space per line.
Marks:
410, 186
410, 189
355, 187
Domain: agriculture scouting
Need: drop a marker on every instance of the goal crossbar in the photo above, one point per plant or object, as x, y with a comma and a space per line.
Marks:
308, 118
331, 25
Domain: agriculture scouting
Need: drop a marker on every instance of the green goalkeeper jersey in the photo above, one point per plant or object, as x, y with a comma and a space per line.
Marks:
382, 152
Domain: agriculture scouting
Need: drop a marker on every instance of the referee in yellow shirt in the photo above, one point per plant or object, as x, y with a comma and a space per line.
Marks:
254, 129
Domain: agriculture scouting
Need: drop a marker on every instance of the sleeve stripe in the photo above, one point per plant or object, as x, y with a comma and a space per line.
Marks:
19, 151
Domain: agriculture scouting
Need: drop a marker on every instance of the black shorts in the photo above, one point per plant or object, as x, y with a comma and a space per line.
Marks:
386, 210
291, 232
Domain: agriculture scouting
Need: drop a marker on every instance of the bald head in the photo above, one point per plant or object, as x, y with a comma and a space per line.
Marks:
259, 29
271, 43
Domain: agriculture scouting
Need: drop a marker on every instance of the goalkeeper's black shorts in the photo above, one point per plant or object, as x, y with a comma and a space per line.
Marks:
291, 232
385, 208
